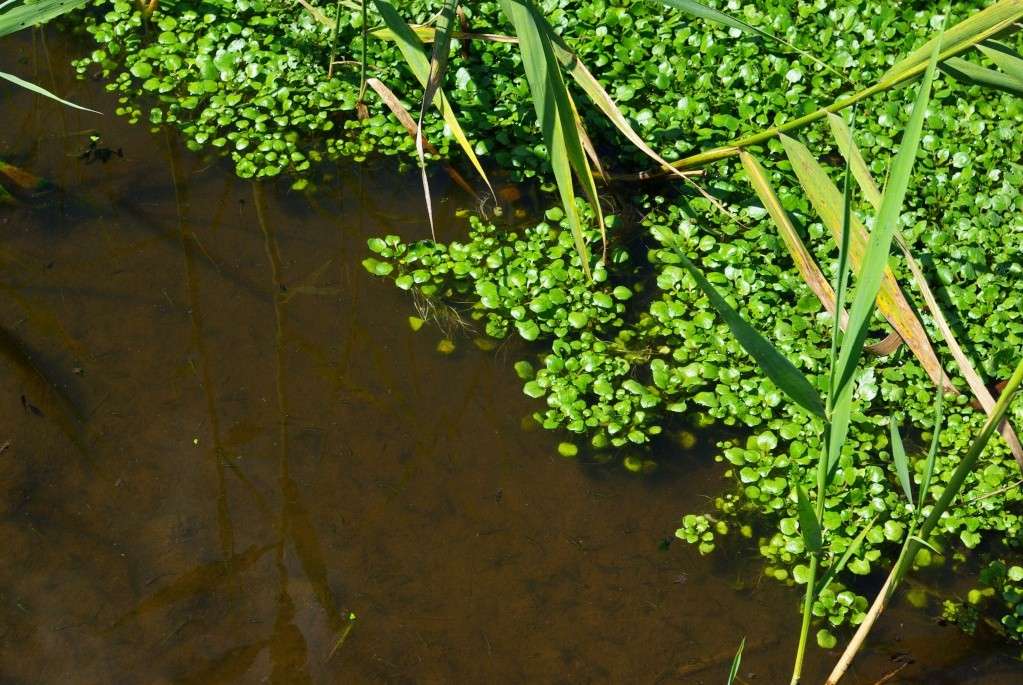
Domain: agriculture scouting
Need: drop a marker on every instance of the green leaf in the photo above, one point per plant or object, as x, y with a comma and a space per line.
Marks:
901, 461
736, 663
25, 15
968, 72
809, 526
967, 33
875, 261
42, 91
524, 370
412, 50
774, 365
528, 330
557, 117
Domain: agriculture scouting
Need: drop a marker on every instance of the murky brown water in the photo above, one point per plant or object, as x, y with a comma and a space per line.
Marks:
220, 439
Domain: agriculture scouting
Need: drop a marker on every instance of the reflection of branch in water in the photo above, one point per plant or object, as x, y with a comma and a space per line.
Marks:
295, 525
56, 405
188, 247
197, 582
227, 667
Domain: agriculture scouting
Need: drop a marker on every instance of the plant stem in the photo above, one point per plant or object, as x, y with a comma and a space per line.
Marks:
811, 581
333, 46
913, 543
365, 39
804, 629
731, 148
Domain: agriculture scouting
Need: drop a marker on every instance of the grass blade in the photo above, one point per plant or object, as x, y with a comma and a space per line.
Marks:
25, 15
964, 35
961, 70
556, 114
774, 365
875, 263
805, 262
733, 672
42, 91
1006, 60
412, 50
901, 460
438, 64
809, 526
827, 200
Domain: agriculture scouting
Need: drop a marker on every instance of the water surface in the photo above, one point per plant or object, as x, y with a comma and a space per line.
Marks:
220, 441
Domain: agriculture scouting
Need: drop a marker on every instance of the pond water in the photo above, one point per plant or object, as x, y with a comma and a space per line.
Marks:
221, 441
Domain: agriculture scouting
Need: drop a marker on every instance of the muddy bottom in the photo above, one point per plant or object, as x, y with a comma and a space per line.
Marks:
225, 456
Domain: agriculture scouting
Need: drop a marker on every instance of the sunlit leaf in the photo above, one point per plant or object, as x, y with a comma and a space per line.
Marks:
555, 113
809, 526
772, 362
42, 91
901, 460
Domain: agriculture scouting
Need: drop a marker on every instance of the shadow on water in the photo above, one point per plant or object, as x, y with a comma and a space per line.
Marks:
224, 457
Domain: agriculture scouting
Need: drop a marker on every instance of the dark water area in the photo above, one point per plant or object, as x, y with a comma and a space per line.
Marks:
225, 456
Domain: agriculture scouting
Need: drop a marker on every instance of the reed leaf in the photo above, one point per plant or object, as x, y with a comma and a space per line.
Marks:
702, 11
860, 171
968, 72
827, 200
438, 65
809, 526
1004, 57
875, 265
804, 261
772, 362
913, 542
964, 35
25, 15
556, 115
406, 120
901, 461
847, 146
28, 85
412, 50
976, 28
932, 452
733, 672
853, 547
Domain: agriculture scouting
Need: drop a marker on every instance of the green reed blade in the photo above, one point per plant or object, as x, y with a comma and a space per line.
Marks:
773, 363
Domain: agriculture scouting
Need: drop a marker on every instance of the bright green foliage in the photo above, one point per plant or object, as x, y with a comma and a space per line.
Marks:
684, 83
